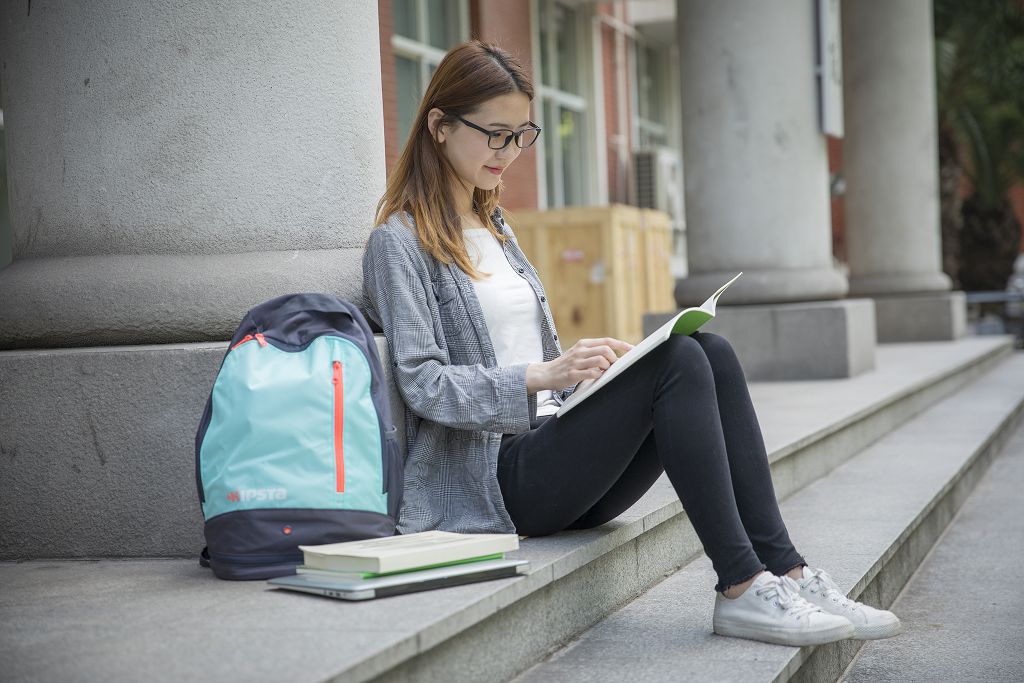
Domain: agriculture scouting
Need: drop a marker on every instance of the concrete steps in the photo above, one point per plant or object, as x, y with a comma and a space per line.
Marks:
965, 592
869, 522
169, 619
108, 434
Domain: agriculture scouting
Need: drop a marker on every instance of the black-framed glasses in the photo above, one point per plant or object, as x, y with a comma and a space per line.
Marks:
499, 139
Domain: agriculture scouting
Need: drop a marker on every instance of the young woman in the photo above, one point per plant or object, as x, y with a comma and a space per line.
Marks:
476, 358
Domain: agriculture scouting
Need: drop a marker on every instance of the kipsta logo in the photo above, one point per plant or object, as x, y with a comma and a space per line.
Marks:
244, 495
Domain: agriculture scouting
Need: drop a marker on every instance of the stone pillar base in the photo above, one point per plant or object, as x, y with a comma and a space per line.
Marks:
107, 434
873, 284
930, 316
115, 299
797, 341
763, 286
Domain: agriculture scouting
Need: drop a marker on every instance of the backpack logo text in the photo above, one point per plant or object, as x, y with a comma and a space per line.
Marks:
245, 495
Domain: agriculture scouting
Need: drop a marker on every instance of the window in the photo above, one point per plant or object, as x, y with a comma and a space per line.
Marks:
653, 89
423, 31
658, 132
561, 54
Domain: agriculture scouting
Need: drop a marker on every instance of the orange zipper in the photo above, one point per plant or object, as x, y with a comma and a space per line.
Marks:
248, 338
339, 421
244, 339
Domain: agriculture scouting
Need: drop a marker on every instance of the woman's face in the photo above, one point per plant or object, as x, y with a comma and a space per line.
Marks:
466, 148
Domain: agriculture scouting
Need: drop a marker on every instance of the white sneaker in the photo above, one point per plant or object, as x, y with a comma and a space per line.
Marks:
869, 623
772, 610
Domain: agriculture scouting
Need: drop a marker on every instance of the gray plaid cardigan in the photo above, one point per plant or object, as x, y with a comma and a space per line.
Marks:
458, 401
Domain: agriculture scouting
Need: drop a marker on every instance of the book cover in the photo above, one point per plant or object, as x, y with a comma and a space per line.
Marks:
408, 551
305, 569
686, 321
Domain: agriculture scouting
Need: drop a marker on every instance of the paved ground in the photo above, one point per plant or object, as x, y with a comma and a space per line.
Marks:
963, 610
130, 620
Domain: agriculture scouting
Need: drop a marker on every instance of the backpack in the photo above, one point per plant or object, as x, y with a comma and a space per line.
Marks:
296, 444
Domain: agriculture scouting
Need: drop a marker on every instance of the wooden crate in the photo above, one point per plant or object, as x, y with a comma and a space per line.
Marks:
661, 285
603, 267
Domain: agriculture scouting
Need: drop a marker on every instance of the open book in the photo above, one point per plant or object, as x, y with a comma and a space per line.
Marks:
686, 321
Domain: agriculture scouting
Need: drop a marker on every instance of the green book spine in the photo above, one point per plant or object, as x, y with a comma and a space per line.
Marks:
481, 558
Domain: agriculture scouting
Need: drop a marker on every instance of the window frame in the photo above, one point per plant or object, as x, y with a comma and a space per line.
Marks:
582, 103
648, 126
423, 53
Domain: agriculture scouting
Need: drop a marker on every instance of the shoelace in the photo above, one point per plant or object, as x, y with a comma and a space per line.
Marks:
820, 580
786, 592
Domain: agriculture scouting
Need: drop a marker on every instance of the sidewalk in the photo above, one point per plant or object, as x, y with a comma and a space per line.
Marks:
961, 610
168, 619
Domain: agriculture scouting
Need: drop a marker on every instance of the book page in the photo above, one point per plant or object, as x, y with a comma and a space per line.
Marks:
686, 322
692, 318
391, 546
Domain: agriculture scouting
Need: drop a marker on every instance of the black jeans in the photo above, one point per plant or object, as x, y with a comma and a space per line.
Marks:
683, 409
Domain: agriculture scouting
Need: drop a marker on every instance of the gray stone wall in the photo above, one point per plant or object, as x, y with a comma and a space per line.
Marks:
172, 165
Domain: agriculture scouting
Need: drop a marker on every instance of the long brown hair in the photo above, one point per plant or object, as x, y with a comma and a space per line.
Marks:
469, 75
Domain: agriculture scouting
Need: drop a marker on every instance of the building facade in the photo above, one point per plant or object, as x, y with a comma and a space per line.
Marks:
606, 95
170, 168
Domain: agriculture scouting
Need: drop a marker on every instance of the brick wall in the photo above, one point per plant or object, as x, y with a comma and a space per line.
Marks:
1016, 197
835, 163
507, 24
620, 162
392, 146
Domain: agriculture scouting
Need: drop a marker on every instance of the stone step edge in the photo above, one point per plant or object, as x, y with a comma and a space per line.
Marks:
978, 364
681, 532
882, 583
886, 576
819, 453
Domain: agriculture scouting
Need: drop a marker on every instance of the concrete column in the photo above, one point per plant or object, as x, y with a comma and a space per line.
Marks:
171, 165
757, 192
890, 163
757, 196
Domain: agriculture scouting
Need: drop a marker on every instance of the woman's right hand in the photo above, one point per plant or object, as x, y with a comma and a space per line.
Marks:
586, 359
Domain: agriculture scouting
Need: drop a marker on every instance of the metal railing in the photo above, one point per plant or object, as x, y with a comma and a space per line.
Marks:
997, 312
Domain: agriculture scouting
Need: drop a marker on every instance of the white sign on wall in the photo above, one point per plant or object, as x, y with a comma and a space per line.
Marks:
830, 67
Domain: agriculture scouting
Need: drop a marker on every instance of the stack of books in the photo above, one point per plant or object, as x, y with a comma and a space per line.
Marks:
375, 567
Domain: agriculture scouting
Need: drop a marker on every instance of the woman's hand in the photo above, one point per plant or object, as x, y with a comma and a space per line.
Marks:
587, 359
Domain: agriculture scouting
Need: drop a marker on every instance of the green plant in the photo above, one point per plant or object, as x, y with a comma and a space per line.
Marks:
979, 50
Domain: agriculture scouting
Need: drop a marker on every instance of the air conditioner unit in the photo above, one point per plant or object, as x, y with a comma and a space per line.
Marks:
659, 185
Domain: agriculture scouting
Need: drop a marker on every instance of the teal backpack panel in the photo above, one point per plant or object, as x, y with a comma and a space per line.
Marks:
296, 445
277, 419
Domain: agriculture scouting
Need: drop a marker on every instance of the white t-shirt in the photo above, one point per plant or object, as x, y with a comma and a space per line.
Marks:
510, 307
